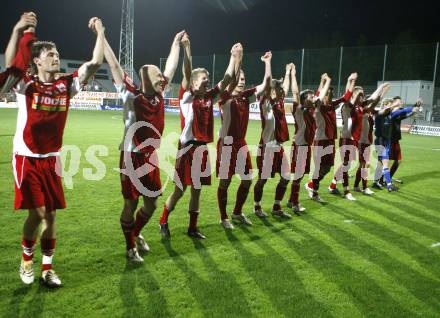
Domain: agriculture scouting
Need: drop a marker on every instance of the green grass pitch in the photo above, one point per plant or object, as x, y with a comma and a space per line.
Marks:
372, 258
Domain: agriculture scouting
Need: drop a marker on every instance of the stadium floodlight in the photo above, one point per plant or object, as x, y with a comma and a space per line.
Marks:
126, 37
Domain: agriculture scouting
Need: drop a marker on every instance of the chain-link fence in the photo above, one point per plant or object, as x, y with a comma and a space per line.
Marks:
416, 64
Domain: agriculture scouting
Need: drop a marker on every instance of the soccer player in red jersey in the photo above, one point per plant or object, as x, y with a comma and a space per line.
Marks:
197, 123
305, 127
144, 123
232, 152
352, 113
271, 158
325, 135
43, 103
365, 142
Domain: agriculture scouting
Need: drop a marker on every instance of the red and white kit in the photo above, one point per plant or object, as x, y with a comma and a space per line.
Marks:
147, 113
42, 114
326, 131
271, 158
197, 122
366, 138
235, 117
351, 130
305, 127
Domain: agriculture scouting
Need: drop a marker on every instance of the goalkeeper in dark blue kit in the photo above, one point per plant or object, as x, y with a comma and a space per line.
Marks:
388, 135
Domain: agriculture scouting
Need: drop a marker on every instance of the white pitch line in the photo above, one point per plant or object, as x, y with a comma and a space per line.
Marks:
116, 117
436, 244
349, 221
437, 149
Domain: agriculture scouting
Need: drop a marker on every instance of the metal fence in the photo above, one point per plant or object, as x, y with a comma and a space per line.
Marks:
373, 64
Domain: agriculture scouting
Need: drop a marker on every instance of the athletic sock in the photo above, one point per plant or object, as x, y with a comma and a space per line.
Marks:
127, 229
47, 250
258, 192
222, 199
364, 175
165, 214
28, 249
142, 218
242, 194
358, 177
280, 191
294, 194
276, 205
387, 176
193, 215
333, 183
394, 168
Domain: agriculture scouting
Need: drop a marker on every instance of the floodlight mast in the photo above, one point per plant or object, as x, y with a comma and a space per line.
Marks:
126, 37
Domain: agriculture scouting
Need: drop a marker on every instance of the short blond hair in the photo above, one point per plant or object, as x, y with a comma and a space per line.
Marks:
195, 73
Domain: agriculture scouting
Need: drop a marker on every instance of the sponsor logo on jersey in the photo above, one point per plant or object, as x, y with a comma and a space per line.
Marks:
49, 103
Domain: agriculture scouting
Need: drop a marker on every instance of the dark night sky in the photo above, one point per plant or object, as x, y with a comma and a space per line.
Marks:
275, 25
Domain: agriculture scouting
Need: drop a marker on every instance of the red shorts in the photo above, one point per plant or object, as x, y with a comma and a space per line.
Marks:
37, 183
395, 152
238, 162
321, 150
192, 166
135, 184
272, 160
301, 157
347, 149
364, 153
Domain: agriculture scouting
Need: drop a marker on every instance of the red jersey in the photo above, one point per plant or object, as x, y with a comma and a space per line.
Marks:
235, 114
141, 108
352, 121
305, 125
196, 115
325, 116
42, 114
273, 120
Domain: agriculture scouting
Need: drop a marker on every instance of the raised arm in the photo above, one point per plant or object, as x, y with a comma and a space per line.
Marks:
115, 67
187, 63
89, 68
173, 57
378, 94
294, 85
351, 82
27, 22
321, 84
264, 87
325, 88
237, 67
230, 71
286, 80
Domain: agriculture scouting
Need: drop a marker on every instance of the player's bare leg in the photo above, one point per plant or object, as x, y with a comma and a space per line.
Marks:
194, 210
30, 229
48, 242
258, 195
169, 206
127, 226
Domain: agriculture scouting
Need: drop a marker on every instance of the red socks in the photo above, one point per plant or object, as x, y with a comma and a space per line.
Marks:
242, 194
222, 198
142, 218
165, 214
193, 215
47, 249
28, 249
127, 229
